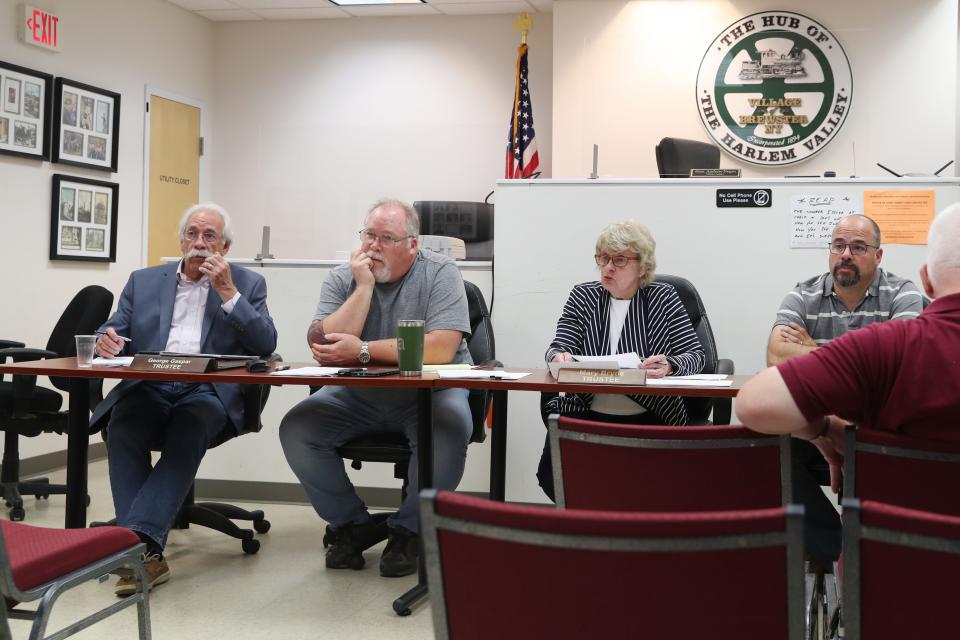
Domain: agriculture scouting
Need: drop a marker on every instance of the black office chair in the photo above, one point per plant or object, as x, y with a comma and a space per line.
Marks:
676, 156
29, 410
699, 409
392, 447
472, 222
219, 516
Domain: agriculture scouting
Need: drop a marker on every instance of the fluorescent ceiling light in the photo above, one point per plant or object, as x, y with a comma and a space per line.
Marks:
350, 3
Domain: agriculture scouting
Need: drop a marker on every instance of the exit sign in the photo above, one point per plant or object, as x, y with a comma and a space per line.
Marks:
39, 27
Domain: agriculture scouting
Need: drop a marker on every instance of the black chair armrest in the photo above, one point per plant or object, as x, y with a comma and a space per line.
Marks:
723, 407
20, 354
8, 344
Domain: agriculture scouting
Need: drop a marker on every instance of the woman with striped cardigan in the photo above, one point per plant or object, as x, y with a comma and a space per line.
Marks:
625, 311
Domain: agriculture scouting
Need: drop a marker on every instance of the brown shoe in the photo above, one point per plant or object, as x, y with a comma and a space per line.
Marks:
157, 573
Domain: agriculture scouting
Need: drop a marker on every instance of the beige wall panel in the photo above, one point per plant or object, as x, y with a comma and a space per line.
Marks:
174, 173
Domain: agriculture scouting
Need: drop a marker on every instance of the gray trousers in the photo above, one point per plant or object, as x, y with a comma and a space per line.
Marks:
311, 432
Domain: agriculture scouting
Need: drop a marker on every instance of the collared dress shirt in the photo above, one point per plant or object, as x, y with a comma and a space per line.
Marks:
189, 305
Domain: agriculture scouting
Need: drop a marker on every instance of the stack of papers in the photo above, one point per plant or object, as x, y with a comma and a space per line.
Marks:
308, 371
122, 361
445, 367
482, 374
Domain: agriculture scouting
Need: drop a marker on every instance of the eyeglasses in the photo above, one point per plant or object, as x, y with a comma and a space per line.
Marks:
209, 237
385, 239
618, 261
837, 247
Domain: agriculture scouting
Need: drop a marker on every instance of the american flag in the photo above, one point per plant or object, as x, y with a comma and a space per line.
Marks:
522, 157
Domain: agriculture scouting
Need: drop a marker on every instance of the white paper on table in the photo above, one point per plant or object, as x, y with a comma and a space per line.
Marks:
482, 374
624, 360
701, 376
446, 367
672, 381
307, 371
122, 361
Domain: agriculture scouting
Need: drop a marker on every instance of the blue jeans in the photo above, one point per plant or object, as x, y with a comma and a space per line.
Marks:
178, 419
311, 432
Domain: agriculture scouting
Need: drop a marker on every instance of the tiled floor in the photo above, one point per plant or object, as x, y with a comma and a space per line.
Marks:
217, 591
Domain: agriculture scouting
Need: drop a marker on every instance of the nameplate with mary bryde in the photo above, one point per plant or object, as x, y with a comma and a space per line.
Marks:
618, 369
171, 361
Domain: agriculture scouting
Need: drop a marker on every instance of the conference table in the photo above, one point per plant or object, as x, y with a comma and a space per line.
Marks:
537, 381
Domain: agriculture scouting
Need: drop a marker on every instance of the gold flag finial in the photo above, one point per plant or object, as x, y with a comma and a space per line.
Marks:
523, 24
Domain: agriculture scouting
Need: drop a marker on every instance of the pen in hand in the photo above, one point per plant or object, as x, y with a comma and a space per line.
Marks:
657, 365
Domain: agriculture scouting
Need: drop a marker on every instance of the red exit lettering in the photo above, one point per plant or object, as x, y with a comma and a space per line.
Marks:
41, 27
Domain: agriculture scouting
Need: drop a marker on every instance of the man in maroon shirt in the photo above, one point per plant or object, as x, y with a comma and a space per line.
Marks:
895, 376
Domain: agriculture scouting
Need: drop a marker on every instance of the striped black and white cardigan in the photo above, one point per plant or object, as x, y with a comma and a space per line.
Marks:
656, 323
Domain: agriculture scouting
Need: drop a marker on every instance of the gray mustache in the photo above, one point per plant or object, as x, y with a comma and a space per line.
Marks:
198, 253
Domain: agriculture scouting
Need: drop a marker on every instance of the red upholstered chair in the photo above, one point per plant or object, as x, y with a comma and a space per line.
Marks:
899, 567
38, 563
902, 470
568, 573
625, 467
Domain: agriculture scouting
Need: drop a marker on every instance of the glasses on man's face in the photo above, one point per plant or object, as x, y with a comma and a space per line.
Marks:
386, 240
209, 237
858, 249
618, 261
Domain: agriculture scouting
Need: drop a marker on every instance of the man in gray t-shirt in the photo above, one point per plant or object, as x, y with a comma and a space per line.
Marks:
387, 279
855, 292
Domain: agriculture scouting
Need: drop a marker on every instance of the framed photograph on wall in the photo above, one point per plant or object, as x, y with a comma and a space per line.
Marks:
26, 100
86, 125
83, 219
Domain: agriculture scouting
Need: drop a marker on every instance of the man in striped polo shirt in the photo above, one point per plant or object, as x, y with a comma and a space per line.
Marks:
854, 293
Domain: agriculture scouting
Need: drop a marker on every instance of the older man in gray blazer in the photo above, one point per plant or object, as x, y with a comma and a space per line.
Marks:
203, 304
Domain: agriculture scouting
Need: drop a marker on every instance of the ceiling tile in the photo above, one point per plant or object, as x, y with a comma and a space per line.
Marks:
543, 5
300, 14
374, 11
232, 15
439, 2
203, 5
283, 4
477, 8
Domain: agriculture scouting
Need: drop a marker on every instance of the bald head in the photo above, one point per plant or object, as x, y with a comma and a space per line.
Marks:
942, 269
862, 222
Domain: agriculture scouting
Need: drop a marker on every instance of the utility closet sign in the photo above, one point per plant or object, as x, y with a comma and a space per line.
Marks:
774, 88
39, 27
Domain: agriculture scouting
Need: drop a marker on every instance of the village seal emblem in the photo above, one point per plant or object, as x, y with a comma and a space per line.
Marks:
774, 88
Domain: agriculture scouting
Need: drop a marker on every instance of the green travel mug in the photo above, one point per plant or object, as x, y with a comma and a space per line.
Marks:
410, 347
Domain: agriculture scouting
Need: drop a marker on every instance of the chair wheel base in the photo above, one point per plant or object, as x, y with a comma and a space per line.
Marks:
250, 546
261, 526
17, 514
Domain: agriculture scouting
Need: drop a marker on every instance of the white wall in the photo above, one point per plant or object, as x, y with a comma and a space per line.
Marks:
625, 71
316, 120
120, 45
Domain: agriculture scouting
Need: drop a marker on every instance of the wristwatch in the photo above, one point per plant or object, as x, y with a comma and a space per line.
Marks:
364, 356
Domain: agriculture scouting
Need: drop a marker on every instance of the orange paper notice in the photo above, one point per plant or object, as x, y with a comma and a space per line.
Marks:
904, 216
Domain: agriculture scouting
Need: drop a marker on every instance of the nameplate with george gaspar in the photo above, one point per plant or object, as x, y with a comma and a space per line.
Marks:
173, 364
628, 377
